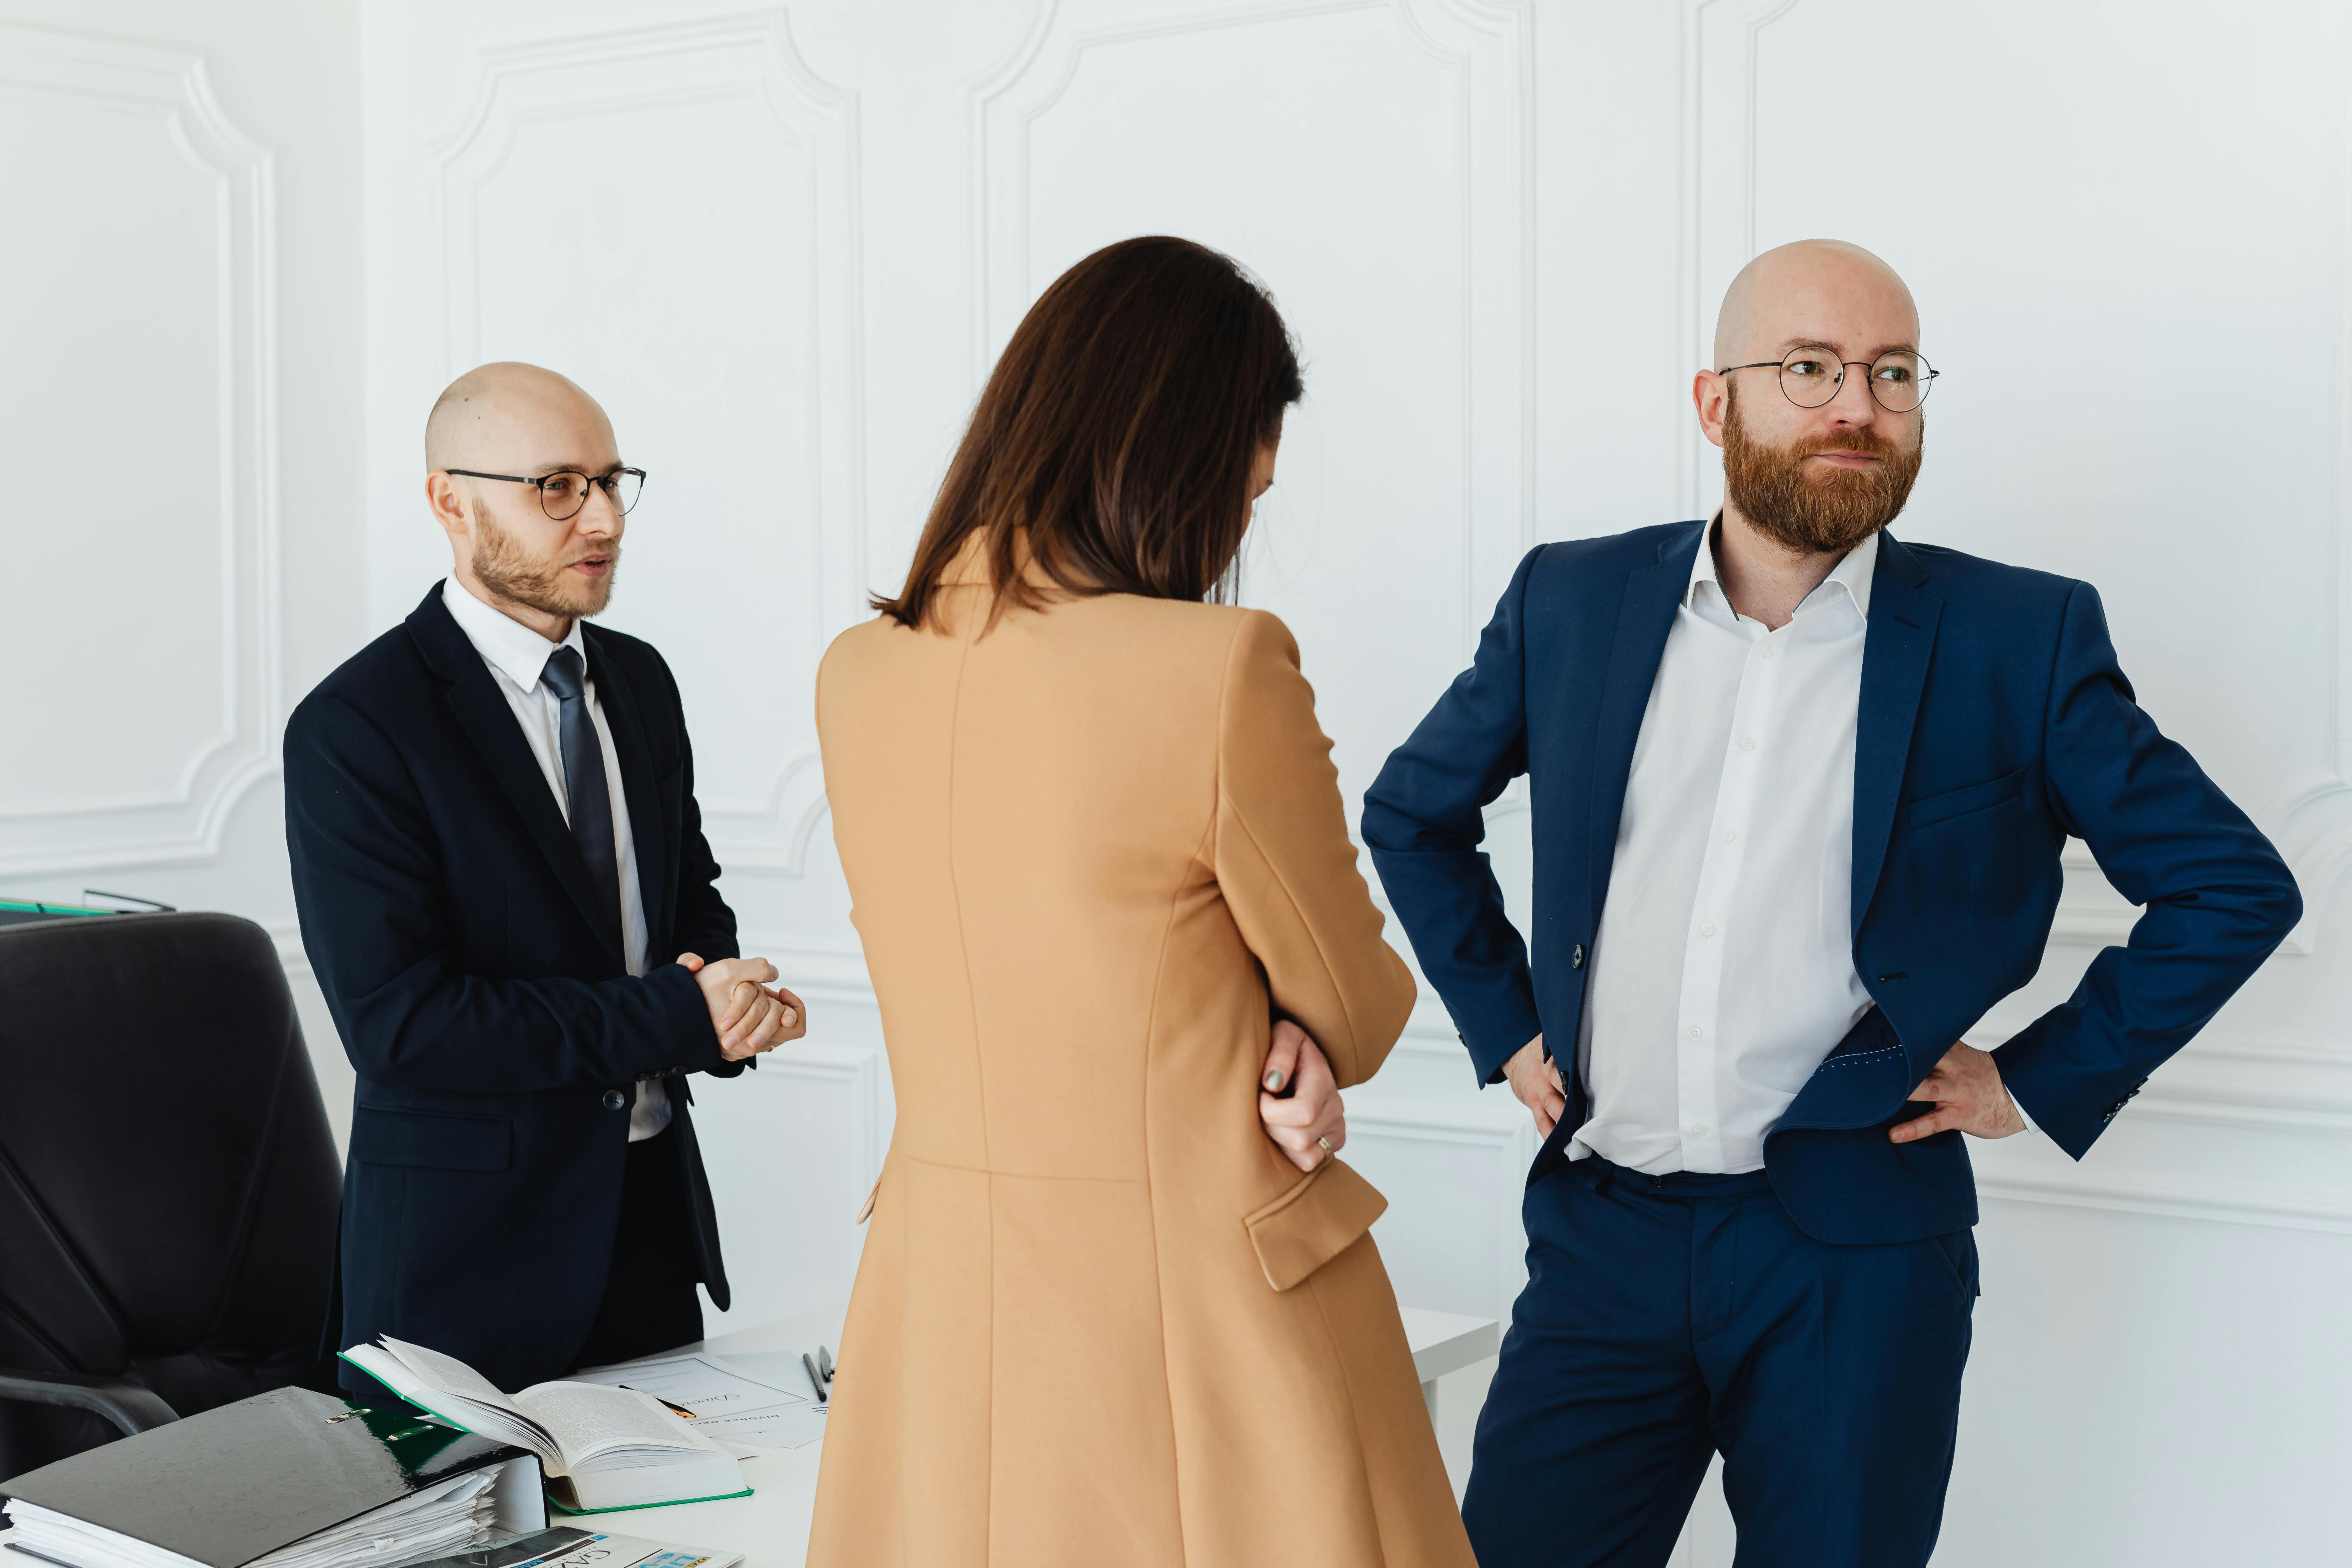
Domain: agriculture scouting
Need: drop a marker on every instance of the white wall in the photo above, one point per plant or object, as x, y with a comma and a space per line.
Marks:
783, 244
182, 553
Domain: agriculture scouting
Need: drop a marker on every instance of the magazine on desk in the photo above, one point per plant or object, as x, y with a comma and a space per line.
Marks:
565, 1547
602, 1448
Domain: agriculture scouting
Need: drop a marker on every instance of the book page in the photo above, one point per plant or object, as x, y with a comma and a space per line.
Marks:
448, 1374
589, 1420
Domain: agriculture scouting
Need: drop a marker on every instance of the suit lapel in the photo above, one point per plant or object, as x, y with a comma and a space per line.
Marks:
1895, 649
482, 713
1645, 614
647, 838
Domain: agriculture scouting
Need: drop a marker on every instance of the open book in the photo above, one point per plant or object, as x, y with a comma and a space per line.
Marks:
600, 1448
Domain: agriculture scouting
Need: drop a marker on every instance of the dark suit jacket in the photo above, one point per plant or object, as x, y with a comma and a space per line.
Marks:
496, 1033
1994, 723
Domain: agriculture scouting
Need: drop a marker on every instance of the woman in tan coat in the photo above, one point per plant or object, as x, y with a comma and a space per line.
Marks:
1096, 848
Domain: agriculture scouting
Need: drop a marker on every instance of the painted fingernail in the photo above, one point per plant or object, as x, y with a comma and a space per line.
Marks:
1274, 1082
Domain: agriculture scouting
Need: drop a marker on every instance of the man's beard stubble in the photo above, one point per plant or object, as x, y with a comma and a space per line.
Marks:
509, 571
1826, 513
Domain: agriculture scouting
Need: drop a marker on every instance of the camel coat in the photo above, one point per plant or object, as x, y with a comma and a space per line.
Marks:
1099, 1319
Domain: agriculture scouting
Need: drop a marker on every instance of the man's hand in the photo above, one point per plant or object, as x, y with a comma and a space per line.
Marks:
1311, 1110
1968, 1094
747, 1019
1536, 1080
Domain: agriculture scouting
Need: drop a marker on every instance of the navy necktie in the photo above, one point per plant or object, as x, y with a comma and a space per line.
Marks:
583, 781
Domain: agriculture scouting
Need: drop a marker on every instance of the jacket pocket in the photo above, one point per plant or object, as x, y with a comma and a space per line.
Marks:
1321, 1216
1960, 1255
437, 1143
1947, 804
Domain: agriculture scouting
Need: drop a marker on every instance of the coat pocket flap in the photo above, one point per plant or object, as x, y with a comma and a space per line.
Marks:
1316, 1219
1967, 798
383, 1137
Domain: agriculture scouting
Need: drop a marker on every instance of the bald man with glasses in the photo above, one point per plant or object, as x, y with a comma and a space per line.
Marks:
507, 898
1799, 792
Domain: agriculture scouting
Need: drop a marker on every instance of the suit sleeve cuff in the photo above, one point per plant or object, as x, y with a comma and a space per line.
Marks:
1493, 1042
694, 1043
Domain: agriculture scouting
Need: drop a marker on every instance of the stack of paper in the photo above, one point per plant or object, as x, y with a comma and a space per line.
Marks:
737, 1399
454, 1516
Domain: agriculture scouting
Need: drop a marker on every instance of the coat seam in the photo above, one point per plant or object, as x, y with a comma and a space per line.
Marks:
980, 1073
1150, 1199
1348, 1387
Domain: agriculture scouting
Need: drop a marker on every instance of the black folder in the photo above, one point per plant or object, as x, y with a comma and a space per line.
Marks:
242, 1480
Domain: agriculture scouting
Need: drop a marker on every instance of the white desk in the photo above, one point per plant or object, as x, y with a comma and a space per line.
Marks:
771, 1527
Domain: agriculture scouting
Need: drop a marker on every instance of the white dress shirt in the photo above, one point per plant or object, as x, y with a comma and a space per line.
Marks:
1723, 969
517, 655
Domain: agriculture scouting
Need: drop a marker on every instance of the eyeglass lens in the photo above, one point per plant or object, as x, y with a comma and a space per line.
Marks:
561, 496
1812, 377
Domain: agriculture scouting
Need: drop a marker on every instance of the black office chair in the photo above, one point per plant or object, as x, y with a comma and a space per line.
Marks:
168, 1185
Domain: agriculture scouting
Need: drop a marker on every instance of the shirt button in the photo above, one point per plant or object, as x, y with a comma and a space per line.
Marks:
615, 1100
1765, 651
1698, 1128
1728, 836
1697, 1031
1707, 929
1747, 744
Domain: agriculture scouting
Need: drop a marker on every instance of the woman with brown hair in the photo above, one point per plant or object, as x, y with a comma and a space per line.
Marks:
1096, 848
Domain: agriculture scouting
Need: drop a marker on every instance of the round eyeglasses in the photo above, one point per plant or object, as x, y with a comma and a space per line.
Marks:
562, 493
1813, 376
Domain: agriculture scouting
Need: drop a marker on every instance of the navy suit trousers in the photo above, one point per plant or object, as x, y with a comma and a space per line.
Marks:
1667, 1319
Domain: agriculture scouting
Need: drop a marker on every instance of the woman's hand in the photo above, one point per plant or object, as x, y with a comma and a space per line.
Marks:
1299, 1100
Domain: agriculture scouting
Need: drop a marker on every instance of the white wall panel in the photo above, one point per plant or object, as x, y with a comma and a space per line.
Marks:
169, 378
136, 313
668, 215
1367, 160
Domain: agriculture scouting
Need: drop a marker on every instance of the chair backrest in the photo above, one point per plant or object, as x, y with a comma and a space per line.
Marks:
168, 1184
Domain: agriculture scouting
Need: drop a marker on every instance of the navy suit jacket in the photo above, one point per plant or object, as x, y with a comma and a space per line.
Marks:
1994, 723
496, 1030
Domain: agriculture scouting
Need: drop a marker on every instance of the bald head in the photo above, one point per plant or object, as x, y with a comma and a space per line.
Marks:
498, 423
1792, 294
507, 416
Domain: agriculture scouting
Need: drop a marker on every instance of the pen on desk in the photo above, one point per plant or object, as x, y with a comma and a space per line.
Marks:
666, 1405
817, 1379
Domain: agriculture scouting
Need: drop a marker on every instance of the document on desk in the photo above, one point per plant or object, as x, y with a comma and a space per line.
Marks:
723, 1400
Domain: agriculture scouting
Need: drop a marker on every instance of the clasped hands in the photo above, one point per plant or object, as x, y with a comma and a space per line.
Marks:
1964, 1088
746, 1013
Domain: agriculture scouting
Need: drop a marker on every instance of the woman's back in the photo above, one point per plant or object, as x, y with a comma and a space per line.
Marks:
1099, 1317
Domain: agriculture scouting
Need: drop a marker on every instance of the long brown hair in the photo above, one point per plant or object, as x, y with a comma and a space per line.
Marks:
1117, 432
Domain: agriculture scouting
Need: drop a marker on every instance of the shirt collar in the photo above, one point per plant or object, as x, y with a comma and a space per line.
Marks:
511, 648
1853, 574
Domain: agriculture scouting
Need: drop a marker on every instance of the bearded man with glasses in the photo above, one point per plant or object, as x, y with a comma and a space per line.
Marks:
1799, 792
497, 853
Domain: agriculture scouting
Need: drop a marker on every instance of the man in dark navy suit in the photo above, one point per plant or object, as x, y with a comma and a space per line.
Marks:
1798, 793
507, 897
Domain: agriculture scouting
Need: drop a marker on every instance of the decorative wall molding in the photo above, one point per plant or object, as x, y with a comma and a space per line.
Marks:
862, 1070
747, 56
1719, 192
2168, 1197
818, 969
2246, 1087
1484, 47
184, 825
1503, 1133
